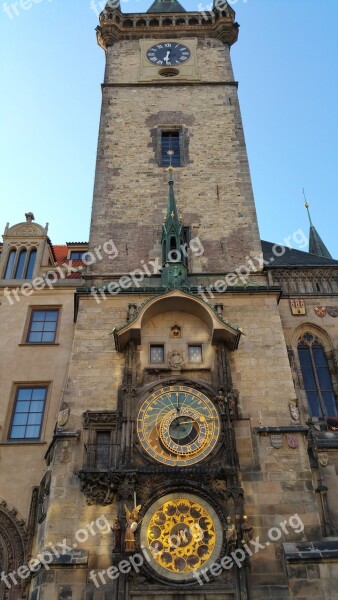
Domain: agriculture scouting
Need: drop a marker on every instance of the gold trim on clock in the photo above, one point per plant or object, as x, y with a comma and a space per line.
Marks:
178, 425
183, 534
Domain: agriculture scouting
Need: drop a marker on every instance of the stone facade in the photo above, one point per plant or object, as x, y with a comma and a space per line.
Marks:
215, 356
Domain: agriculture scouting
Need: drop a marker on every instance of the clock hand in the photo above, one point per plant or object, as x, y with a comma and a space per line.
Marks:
166, 58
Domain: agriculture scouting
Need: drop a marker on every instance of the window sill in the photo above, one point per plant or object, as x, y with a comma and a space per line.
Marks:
30, 344
23, 443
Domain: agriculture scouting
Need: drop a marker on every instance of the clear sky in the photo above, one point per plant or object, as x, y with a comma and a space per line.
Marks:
286, 62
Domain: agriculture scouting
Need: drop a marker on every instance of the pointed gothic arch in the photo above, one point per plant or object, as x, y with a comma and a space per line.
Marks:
12, 548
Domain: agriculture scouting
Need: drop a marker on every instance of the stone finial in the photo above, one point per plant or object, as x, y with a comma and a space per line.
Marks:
29, 217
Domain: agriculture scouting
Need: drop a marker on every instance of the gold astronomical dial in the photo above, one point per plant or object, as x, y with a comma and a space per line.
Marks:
178, 425
183, 534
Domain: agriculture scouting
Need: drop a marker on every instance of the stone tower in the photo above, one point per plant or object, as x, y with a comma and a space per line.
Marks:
163, 472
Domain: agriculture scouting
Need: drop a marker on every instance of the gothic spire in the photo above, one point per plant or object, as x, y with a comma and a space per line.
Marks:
174, 258
172, 224
316, 244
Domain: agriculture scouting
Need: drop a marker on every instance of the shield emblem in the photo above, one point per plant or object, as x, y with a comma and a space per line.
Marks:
333, 311
292, 441
320, 311
323, 458
297, 307
294, 412
277, 441
63, 417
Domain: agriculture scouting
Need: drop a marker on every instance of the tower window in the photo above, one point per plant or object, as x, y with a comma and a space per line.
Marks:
157, 353
317, 377
170, 143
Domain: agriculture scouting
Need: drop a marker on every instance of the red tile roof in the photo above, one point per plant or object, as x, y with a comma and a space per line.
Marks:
60, 253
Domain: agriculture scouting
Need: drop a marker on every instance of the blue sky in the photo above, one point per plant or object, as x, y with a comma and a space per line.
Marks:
286, 62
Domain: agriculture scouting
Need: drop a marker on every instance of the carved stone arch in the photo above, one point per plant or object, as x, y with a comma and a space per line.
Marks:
315, 330
12, 548
25, 230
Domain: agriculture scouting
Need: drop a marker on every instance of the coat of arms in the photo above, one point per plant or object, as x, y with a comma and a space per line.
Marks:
277, 441
176, 359
294, 412
320, 311
292, 441
297, 306
332, 311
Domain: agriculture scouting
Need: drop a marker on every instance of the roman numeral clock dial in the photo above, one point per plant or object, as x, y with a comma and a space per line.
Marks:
168, 54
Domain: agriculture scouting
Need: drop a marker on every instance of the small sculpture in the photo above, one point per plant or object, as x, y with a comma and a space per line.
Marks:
222, 401
132, 310
132, 518
247, 530
230, 534
116, 529
176, 359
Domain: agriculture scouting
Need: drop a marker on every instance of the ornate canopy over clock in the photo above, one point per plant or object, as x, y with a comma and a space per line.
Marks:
183, 533
168, 54
178, 425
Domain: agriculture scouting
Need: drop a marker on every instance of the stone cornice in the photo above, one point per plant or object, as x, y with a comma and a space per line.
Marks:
116, 26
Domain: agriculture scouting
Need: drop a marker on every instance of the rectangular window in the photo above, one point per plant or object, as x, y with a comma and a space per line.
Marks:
28, 413
157, 354
102, 449
195, 354
42, 327
170, 143
77, 254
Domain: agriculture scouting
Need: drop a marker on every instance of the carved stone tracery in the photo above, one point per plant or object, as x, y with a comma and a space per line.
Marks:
13, 544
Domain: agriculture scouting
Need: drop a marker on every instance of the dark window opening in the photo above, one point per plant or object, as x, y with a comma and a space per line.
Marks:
77, 254
170, 143
10, 265
102, 449
20, 265
317, 377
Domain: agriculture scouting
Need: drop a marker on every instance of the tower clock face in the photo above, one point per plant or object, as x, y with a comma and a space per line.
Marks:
168, 54
178, 426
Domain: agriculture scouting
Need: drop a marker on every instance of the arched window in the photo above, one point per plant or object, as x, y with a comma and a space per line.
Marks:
316, 376
31, 264
10, 265
20, 265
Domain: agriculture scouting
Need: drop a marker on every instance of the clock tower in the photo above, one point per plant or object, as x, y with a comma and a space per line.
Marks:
169, 85
179, 353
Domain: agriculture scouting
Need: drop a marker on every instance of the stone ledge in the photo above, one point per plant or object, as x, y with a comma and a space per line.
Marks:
311, 551
281, 429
